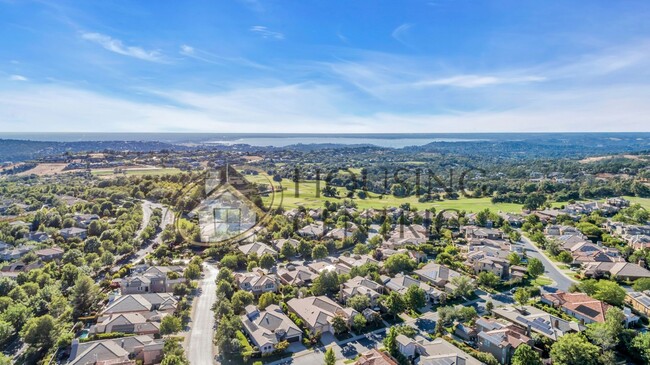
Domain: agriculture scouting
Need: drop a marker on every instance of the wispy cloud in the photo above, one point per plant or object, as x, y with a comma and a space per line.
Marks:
400, 33
209, 57
265, 33
17, 78
472, 81
117, 46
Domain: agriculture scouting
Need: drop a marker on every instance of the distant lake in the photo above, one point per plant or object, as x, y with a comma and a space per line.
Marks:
392, 140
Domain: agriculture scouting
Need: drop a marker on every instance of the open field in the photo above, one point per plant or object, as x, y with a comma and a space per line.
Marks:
44, 169
135, 171
307, 198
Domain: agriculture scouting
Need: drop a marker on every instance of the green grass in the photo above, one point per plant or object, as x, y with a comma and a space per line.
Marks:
307, 198
645, 202
542, 281
138, 172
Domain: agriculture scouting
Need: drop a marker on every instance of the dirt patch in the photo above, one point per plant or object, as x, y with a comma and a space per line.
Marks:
44, 169
253, 158
601, 158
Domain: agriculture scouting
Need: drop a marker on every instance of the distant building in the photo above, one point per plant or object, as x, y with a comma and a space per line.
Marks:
73, 232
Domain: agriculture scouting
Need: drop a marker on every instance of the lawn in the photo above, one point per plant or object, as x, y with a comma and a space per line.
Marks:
542, 281
307, 198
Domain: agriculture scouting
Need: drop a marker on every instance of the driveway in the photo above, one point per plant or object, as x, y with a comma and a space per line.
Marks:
200, 348
562, 281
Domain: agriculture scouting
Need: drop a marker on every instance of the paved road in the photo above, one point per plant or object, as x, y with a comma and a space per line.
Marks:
200, 350
562, 281
167, 218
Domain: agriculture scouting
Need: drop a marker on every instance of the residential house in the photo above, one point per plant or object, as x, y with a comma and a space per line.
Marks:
278, 244
500, 339
435, 352
117, 351
152, 279
149, 305
84, 220
50, 254
37, 236
640, 301
312, 231
481, 233
579, 305
317, 312
258, 282
403, 235
488, 260
615, 270
10, 253
400, 284
438, 275
358, 260
361, 286
73, 232
329, 264
269, 327
134, 323
296, 275
258, 248
536, 320
375, 357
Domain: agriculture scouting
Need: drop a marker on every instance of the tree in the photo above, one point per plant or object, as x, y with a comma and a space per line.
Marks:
267, 261
224, 289
330, 357
319, 252
464, 286
514, 258
359, 322
606, 334
40, 331
17, 315
84, 296
390, 342
489, 306
641, 343
192, 272
522, 296
642, 284
609, 292
326, 282
394, 304
574, 349
488, 278
265, 300
415, 297
535, 267
240, 300
288, 251
399, 263
339, 325
525, 355
6, 330
359, 302
170, 324
5, 360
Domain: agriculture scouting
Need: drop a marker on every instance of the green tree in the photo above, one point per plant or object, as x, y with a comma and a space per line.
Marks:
394, 304
170, 324
535, 267
574, 349
17, 315
522, 296
319, 252
641, 344
609, 292
330, 357
399, 263
390, 341
339, 325
326, 282
265, 300
40, 331
84, 296
5, 360
6, 330
240, 300
488, 279
359, 322
359, 302
641, 284
192, 272
288, 251
525, 355
415, 297
267, 261
464, 286
514, 258
224, 289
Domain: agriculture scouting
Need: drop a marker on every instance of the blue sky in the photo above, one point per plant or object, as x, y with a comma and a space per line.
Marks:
324, 66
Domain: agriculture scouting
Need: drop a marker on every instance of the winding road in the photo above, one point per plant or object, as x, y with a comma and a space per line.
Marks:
562, 281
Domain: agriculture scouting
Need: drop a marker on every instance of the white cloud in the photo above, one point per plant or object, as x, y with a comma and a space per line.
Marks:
187, 50
17, 78
400, 33
265, 33
116, 45
472, 81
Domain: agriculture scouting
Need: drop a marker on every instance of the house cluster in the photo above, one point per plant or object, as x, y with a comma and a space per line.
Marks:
488, 251
595, 259
636, 236
150, 279
15, 254
132, 350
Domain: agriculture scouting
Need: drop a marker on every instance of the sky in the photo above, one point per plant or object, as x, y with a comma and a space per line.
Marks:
350, 66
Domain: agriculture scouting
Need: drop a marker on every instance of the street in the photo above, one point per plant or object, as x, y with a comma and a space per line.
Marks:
562, 281
200, 335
